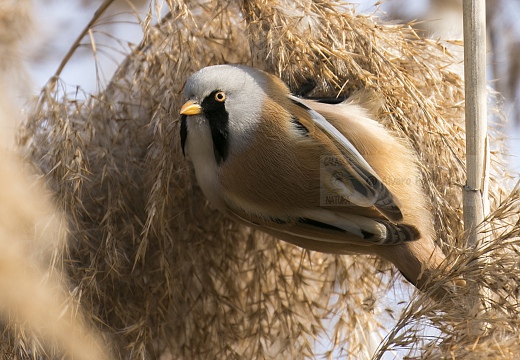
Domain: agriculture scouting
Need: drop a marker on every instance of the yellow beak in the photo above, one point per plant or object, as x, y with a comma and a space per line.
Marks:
191, 108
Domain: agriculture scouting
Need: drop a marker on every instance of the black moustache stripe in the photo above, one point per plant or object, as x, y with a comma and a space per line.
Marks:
218, 118
184, 133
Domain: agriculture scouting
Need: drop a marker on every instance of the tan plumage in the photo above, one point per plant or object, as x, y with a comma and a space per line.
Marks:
276, 162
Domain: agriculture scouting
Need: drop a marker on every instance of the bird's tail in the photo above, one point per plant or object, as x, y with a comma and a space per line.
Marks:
420, 263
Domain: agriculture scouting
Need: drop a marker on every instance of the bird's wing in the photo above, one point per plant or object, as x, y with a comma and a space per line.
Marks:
350, 176
323, 229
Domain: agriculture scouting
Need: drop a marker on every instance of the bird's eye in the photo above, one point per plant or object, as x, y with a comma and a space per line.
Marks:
220, 96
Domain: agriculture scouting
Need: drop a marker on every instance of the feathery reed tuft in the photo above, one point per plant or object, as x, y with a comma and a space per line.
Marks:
161, 273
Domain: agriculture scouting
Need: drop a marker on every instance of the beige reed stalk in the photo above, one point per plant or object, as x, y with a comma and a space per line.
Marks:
476, 114
474, 198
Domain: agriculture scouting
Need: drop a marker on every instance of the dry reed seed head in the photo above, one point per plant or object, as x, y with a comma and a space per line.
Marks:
15, 22
160, 272
37, 316
15, 19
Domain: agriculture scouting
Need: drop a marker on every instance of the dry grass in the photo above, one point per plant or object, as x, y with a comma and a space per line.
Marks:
35, 306
159, 272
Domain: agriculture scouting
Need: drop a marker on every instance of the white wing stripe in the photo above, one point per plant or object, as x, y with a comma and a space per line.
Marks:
338, 136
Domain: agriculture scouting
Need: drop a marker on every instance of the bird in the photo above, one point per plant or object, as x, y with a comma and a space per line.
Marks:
325, 176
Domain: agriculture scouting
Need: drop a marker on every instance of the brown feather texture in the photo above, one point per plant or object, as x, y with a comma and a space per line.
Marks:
163, 275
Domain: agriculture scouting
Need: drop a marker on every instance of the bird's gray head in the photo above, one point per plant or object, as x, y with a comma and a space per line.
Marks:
228, 100
233, 79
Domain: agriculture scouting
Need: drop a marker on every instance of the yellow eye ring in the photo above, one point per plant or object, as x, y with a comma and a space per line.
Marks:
220, 96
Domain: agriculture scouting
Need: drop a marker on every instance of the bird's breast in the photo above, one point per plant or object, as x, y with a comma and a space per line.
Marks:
200, 150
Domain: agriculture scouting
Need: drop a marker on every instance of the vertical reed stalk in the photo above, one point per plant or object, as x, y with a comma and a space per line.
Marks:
474, 13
